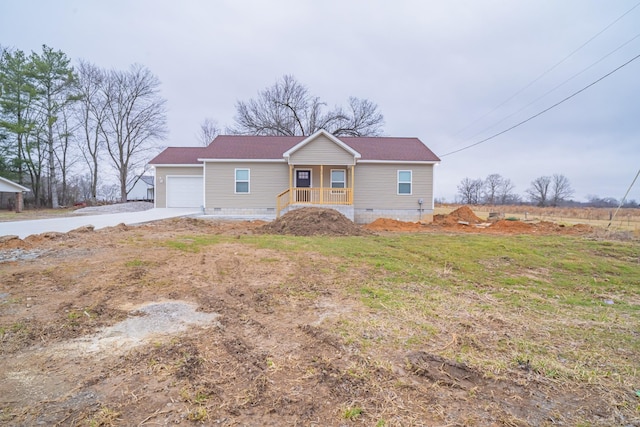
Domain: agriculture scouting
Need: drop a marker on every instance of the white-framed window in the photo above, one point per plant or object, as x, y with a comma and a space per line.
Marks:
404, 182
338, 178
242, 177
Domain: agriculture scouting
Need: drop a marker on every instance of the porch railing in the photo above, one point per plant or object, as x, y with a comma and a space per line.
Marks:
314, 196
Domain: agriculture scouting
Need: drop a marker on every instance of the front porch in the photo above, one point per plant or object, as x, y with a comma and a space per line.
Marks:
336, 192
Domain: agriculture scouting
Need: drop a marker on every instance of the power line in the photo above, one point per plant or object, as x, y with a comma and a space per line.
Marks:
555, 88
543, 111
550, 69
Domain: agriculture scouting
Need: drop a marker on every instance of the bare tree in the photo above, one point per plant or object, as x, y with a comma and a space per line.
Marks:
539, 191
492, 184
560, 189
470, 190
135, 117
600, 202
54, 78
505, 192
287, 108
66, 157
90, 114
362, 119
208, 131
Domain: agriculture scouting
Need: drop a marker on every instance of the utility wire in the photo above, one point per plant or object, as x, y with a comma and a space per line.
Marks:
623, 199
555, 88
549, 70
543, 111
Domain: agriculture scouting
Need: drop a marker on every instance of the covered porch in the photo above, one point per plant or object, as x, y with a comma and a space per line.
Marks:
317, 185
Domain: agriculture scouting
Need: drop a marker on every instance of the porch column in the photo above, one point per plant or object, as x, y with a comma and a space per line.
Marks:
321, 184
290, 184
353, 177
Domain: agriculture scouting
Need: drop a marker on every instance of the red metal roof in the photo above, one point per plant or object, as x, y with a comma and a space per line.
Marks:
273, 147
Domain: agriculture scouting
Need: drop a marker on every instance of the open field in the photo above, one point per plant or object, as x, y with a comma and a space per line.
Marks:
193, 321
627, 219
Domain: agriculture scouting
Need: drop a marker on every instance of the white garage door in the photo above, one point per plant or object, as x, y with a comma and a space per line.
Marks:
184, 192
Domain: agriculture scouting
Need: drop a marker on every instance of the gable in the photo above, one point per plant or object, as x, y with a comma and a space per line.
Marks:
322, 147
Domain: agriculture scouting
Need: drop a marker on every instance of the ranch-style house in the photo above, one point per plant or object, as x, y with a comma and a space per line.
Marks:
364, 178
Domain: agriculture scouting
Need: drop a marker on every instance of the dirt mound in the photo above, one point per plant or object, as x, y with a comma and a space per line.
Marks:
464, 213
387, 224
12, 242
313, 222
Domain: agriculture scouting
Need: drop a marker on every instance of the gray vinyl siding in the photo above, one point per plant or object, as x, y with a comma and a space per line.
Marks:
266, 181
161, 180
321, 150
376, 186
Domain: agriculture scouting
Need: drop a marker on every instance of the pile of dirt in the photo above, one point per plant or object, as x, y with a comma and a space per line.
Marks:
387, 224
313, 222
463, 213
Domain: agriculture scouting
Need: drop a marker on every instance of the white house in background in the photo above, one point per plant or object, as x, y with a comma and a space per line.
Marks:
238, 175
11, 195
142, 190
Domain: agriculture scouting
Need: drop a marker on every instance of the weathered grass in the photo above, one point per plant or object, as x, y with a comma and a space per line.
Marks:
565, 307
569, 306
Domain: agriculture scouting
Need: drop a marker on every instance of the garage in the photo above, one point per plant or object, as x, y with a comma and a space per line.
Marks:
184, 192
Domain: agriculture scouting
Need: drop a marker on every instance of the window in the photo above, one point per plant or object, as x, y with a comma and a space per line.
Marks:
242, 181
404, 182
338, 178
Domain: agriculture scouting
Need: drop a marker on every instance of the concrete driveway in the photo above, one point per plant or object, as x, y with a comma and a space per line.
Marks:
23, 229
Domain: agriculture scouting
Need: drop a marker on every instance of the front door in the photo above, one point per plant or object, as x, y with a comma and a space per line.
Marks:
303, 181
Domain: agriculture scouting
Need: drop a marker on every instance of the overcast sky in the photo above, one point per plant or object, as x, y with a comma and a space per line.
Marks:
436, 69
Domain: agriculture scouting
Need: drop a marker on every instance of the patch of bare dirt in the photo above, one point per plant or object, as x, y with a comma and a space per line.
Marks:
388, 224
313, 222
270, 352
465, 220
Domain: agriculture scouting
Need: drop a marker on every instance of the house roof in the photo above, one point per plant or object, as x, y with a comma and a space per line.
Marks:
251, 147
390, 148
178, 156
7, 186
147, 179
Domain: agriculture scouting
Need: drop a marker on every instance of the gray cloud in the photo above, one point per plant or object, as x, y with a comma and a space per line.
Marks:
436, 70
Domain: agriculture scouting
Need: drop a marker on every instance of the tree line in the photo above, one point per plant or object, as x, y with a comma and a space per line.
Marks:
554, 190
64, 127
59, 124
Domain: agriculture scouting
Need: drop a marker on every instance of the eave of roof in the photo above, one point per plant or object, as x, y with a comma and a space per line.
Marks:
178, 155
14, 185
